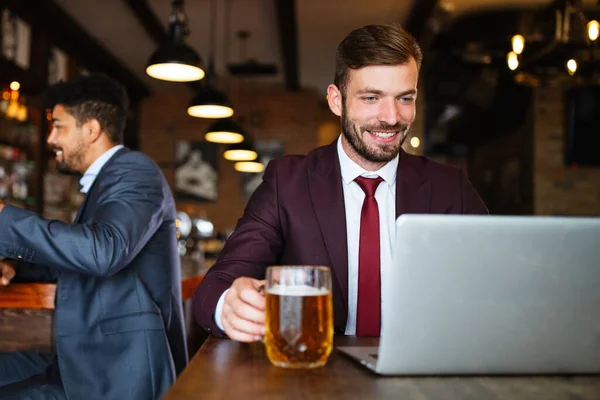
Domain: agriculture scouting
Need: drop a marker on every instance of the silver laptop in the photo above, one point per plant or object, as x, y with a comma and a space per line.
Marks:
490, 295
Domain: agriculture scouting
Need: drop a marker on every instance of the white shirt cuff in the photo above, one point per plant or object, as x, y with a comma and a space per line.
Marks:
219, 310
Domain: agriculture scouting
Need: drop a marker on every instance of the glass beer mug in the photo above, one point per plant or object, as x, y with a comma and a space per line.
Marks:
299, 317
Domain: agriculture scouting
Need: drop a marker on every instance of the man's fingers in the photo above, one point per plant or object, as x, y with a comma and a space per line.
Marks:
243, 317
252, 297
243, 337
260, 286
241, 330
8, 273
247, 312
246, 327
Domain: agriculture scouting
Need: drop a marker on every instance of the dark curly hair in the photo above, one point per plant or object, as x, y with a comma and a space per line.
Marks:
93, 96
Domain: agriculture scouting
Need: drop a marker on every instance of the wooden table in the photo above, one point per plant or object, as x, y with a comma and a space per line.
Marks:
27, 310
224, 369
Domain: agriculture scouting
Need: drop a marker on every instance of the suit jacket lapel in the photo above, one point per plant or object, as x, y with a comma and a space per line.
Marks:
88, 194
81, 207
326, 192
413, 194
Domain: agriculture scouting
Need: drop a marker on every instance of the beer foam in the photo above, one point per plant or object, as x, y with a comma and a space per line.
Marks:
301, 290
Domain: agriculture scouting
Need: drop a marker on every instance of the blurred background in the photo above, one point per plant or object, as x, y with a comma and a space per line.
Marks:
508, 90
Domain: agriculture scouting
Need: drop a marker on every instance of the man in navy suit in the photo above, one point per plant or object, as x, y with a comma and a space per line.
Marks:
118, 318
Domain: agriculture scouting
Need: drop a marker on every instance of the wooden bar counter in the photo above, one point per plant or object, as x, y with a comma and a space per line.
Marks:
224, 369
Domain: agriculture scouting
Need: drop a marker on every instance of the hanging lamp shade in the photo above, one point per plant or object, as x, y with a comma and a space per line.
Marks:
249, 166
225, 131
210, 103
175, 61
240, 152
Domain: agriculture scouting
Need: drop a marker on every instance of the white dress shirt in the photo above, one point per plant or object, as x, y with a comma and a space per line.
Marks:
88, 178
353, 201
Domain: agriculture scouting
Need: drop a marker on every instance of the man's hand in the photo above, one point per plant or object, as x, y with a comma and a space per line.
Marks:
243, 314
7, 273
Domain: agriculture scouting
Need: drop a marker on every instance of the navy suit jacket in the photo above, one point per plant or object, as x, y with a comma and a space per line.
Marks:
119, 327
297, 217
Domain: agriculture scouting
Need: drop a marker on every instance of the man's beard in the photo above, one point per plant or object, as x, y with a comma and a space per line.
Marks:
69, 167
378, 153
64, 168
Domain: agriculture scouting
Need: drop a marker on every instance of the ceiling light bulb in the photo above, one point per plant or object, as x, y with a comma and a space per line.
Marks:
210, 111
518, 44
572, 66
415, 142
240, 155
249, 166
513, 60
175, 72
224, 131
210, 103
223, 137
593, 28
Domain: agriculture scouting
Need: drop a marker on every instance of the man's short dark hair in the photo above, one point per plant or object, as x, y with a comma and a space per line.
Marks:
93, 96
374, 45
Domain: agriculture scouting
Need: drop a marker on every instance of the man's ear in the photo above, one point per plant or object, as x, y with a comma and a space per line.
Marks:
334, 99
93, 130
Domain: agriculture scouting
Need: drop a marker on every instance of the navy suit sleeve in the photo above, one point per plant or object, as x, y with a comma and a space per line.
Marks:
26, 272
256, 243
126, 215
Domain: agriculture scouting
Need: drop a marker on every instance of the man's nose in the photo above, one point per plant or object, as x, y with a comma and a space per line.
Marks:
51, 138
389, 112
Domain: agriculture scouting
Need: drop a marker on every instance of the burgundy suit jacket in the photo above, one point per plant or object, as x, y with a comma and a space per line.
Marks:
297, 217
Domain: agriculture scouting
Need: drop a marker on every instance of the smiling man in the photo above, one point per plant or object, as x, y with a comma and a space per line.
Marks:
337, 205
118, 317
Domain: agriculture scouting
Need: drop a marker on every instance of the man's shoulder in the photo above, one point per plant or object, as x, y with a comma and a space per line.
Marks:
300, 163
133, 159
128, 166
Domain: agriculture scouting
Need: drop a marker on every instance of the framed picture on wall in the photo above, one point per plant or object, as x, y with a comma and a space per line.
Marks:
267, 150
196, 175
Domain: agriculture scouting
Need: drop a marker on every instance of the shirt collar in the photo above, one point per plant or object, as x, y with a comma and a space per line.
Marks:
88, 178
351, 170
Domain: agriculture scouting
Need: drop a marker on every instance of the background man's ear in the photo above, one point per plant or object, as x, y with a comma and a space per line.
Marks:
93, 129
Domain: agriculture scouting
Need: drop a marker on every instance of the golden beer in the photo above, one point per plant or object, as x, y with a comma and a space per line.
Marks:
299, 324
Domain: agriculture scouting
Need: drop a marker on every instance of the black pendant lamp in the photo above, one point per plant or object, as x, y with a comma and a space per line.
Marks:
243, 151
225, 131
209, 102
249, 166
175, 61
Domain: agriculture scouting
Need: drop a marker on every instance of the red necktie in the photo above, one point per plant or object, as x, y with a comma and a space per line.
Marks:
368, 313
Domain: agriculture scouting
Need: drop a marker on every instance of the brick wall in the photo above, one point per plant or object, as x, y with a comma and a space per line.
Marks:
300, 120
558, 189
